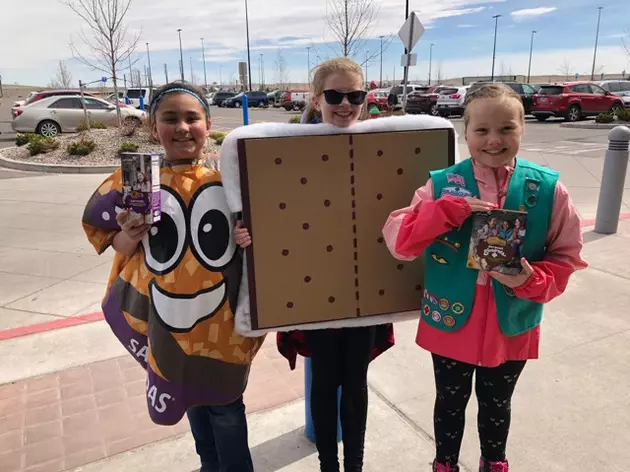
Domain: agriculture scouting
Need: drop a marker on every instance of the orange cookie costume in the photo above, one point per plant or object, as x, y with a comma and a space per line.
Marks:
172, 303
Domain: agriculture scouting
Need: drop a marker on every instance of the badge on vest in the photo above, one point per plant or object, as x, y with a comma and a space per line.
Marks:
457, 308
449, 321
456, 179
456, 192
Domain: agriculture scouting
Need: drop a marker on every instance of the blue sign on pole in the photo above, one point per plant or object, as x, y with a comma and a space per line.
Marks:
104, 79
245, 110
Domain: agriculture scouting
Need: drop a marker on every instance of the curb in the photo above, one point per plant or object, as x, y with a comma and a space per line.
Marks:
53, 168
594, 125
50, 325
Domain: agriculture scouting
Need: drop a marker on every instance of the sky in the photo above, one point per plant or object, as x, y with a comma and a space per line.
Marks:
35, 35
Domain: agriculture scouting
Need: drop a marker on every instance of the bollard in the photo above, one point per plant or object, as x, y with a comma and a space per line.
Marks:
309, 429
245, 110
613, 181
141, 103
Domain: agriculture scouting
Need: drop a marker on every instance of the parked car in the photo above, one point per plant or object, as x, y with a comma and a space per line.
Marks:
291, 98
53, 115
451, 101
395, 97
132, 96
425, 100
275, 98
112, 97
525, 91
573, 101
220, 97
36, 96
537, 86
621, 88
254, 99
378, 97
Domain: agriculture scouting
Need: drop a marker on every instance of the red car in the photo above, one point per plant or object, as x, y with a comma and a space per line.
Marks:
36, 96
573, 101
424, 101
379, 98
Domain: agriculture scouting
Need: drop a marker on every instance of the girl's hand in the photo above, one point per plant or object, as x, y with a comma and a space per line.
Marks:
514, 281
476, 204
241, 235
134, 229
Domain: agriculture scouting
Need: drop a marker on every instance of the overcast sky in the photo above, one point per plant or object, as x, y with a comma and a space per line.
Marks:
34, 36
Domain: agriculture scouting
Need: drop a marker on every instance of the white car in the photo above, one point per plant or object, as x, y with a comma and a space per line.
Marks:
63, 114
451, 101
132, 96
620, 88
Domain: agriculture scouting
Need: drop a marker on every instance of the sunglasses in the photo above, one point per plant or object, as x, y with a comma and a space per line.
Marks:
334, 97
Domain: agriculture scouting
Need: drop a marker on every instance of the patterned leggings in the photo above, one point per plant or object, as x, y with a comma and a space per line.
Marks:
494, 388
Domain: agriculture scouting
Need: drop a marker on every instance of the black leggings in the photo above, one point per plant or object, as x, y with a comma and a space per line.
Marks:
340, 357
494, 388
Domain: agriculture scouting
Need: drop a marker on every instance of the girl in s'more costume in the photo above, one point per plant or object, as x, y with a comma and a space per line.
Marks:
173, 287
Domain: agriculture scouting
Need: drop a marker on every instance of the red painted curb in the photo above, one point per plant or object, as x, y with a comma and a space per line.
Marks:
50, 325
591, 222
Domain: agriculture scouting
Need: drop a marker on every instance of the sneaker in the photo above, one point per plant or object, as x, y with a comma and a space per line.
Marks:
487, 466
439, 467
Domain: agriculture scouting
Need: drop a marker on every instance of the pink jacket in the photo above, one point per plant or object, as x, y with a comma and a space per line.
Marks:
410, 230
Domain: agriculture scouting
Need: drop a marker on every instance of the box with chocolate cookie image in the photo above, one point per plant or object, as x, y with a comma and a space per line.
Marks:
140, 174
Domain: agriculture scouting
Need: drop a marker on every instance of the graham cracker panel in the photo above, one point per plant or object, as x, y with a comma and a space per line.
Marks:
389, 168
297, 205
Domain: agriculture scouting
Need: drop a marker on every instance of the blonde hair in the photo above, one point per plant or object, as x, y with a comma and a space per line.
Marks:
340, 65
493, 90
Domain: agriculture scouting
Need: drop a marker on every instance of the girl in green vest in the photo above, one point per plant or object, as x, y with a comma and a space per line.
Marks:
487, 323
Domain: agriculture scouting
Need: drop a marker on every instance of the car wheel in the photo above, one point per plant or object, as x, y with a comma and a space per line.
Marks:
616, 108
542, 118
237, 104
49, 129
434, 110
573, 114
261, 104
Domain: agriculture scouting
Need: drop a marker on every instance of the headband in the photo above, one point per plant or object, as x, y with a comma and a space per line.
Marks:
156, 100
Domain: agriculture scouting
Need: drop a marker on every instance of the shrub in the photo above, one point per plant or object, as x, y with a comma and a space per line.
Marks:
217, 135
295, 119
128, 147
22, 139
130, 126
93, 125
605, 118
82, 147
624, 115
219, 139
40, 144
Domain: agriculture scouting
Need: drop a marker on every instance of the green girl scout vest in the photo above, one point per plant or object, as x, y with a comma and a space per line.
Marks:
450, 284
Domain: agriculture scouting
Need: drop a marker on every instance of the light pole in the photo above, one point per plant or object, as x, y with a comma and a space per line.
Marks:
192, 76
262, 72
430, 61
366, 70
150, 72
181, 54
249, 60
203, 56
494, 49
599, 17
130, 73
531, 48
308, 66
380, 84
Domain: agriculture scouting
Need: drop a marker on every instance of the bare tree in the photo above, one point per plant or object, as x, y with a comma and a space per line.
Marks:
110, 46
626, 43
63, 77
438, 73
282, 75
566, 69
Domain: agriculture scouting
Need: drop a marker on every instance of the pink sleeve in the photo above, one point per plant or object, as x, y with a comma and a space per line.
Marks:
564, 244
410, 230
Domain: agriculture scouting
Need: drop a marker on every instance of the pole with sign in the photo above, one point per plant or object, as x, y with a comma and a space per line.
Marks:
409, 34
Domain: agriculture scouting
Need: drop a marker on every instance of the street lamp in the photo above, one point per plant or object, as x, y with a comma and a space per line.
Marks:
262, 72
494, 49
531, 48
381, 76
181, 54
249, 60
308, 66
366, 70
599, 17
150, 72
192, 76
203, 56
430, 60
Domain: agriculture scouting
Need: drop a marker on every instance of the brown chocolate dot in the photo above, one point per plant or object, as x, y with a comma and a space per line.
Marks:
418, 287
381, 292
331, 299
285, 252
379, 153
380, 240
278, 161
329, 248
289, 304
307, 279
418, 150
400, 267
306, 226
379, 196
326, 203
399, 171
325, 157
303, 180
282, 206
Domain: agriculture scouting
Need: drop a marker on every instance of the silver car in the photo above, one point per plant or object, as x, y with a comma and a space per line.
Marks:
63, 114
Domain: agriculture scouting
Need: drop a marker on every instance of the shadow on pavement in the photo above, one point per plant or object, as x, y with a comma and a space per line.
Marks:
282, 451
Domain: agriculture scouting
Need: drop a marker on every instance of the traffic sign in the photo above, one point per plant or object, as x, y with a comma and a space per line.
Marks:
408, 60
411, 31
103, 79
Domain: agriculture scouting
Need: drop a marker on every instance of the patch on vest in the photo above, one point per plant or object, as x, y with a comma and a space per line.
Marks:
457, 308
456, 192
436, 316
456, 179
449, 321
444, 304
509, 292
438, 259
427, 310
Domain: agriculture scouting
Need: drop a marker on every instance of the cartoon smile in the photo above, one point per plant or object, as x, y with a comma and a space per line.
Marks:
181, 313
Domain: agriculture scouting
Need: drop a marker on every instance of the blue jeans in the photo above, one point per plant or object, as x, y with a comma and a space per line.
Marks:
220, 434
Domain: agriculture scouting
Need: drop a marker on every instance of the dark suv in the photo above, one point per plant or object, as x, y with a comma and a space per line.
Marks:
221, 97
526, 92
254, 99
424, 101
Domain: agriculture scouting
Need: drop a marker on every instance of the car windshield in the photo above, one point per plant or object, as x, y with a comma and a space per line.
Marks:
448, 91
551, 90
29, 98
396, 90
135, 93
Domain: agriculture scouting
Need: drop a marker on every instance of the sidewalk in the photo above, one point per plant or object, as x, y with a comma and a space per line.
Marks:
71, 397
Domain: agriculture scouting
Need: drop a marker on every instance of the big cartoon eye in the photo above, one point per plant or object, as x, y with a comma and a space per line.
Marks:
211, 228
164, 244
